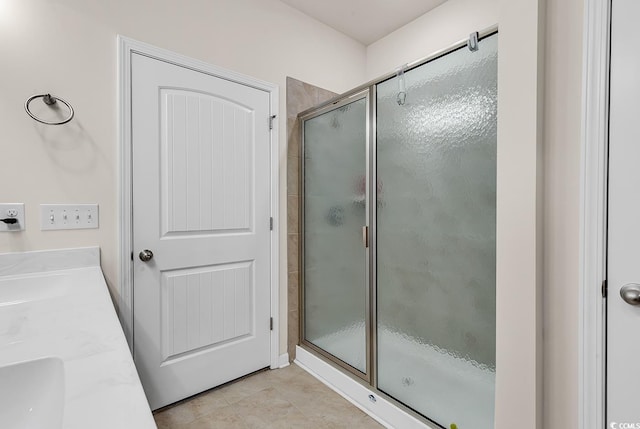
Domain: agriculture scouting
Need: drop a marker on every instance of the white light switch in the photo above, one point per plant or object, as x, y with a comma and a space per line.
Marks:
68, 216
12, 216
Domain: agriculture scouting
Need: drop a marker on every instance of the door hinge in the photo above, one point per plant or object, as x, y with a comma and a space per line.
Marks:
604, 288
271, 323
271, 223
271, 118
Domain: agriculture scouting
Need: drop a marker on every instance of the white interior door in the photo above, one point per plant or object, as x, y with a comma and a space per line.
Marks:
623, 318
201, 205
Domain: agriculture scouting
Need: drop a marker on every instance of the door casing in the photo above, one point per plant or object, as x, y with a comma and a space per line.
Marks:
593, 216
126, 47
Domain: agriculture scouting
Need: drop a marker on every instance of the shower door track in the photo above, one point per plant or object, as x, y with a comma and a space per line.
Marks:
306, 114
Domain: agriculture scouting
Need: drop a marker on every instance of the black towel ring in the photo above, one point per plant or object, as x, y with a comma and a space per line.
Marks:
49, 100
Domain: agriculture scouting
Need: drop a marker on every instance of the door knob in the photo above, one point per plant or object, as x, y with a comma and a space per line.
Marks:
146, 255
631, 293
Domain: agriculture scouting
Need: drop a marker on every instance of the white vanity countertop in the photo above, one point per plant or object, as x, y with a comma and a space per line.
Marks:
68, 313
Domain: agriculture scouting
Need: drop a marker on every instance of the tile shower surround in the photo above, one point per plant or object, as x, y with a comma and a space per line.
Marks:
300, 97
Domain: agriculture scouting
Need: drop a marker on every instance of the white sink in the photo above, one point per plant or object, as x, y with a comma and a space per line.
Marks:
32, 394
32, 288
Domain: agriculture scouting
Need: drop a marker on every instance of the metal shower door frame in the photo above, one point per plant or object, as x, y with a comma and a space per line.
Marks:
344, 100
369, 90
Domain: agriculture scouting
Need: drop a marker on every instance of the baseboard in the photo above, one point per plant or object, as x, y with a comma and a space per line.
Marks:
380, 409
283, 360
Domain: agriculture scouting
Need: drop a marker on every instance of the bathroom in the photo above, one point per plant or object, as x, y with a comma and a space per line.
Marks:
304, 53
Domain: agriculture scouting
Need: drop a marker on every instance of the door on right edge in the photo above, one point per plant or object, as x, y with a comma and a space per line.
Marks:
623, 302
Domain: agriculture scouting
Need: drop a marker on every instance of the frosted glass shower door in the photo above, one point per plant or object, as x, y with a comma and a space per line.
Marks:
334, 257
436, 229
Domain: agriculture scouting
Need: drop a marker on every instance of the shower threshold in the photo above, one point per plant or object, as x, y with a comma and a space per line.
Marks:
465, 389
379, 408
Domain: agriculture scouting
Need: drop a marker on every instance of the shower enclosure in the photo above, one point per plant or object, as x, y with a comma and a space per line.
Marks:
398, 247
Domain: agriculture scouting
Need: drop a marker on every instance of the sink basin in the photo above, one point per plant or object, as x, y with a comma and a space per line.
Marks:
32, 394
33, 288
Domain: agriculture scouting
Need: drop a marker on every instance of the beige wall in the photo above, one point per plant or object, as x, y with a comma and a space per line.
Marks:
68, 48
445, 25
563, 98
520, 199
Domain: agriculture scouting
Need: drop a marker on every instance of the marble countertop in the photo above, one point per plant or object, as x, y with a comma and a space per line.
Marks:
74, 320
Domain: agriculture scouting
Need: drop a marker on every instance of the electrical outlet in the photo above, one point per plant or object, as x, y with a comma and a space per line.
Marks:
68, 216
9, 211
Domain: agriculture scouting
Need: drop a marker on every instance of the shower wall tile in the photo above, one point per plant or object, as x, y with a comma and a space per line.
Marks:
293, 333
292, 214
300, 97
293, 253
293, 175
293, 137
323, 95
293, 295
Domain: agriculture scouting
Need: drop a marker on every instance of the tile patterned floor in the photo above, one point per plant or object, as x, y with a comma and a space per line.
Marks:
281, 398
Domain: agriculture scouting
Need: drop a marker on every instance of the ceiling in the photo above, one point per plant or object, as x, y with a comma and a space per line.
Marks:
365, 20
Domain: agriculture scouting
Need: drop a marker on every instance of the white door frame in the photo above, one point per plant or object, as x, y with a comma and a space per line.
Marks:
126, 47
593, 211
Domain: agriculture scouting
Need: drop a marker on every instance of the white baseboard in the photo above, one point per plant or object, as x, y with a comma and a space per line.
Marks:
383, 411
283, 360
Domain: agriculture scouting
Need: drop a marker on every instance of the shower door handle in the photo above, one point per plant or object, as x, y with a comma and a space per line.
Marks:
365, 236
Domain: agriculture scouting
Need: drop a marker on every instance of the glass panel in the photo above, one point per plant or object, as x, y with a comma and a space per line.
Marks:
334, 214
436, 180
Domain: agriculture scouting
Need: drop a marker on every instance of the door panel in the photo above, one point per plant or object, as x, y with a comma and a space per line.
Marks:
334, 256
201, 204
623, 320
205, 307
206, 157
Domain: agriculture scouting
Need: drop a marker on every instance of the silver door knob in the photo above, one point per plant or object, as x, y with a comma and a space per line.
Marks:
146, 255
631, 293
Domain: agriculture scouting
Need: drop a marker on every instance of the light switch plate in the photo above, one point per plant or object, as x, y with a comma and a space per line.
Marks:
12, 210
68, 216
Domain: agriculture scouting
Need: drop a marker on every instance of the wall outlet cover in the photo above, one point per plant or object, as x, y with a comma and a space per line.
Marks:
12, 211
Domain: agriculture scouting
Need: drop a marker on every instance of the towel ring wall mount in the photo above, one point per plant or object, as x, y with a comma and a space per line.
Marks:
49, 100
